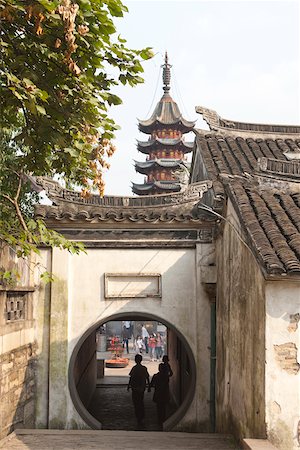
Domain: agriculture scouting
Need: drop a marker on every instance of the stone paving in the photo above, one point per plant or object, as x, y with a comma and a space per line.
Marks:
114, 440
112, 404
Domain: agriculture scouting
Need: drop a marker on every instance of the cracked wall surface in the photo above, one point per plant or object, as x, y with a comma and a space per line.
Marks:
286, 355
283, 363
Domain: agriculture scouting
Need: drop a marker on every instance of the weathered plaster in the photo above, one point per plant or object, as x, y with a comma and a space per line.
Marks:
78, 303
282, 363
58, 350
41, 314
205, 274
294, 320
240, 378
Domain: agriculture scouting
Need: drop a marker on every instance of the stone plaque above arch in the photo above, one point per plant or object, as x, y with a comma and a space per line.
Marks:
132, 285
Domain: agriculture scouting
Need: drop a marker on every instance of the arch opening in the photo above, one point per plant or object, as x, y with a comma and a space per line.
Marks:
98, 391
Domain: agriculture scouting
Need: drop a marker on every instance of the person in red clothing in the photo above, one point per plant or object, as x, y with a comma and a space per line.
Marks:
158, 347
152, 345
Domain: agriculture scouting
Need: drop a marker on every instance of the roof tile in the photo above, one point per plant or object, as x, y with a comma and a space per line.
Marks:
272, 220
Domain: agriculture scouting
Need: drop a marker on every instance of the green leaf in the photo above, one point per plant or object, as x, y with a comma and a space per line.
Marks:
41, 109
50, 113
47, 277
16, 93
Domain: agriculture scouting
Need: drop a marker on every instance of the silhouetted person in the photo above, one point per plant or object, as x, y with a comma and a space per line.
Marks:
139, 379
160, 382
165, 361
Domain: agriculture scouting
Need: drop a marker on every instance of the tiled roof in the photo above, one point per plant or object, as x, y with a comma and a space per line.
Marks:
71, 207
272, 220
166, 112
236, 155
68, 206
258, 167
74, 213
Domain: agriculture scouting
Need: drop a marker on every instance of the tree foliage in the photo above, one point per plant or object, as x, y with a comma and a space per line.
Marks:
59, 63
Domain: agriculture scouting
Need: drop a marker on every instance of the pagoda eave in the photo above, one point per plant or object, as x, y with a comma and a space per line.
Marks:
166, 164
155, 187
148, 150
163, 143
148, 128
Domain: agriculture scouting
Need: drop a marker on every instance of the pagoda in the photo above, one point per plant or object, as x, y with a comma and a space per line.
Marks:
166, 147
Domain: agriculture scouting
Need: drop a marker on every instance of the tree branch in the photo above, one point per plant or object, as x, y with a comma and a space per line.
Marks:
7, 198
19, 188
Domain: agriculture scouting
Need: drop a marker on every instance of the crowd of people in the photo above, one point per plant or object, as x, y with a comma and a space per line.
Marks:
149, 343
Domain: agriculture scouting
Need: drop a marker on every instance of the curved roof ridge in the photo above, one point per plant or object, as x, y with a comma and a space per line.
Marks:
60, 195
216, 122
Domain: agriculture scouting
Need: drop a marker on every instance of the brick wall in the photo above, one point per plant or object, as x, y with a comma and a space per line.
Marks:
17, 347
17, 389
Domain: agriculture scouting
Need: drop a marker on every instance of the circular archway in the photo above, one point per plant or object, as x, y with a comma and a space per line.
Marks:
88, 418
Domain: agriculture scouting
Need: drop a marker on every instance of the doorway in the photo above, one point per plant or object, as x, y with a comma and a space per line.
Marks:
98, 387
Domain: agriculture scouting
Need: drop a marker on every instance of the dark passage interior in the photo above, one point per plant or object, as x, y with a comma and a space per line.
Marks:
100, 366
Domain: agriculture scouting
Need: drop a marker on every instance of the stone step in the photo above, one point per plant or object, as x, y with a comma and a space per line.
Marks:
114, 440
257, 444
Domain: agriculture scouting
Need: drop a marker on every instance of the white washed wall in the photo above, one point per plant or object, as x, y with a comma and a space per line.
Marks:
282, 376
79, 294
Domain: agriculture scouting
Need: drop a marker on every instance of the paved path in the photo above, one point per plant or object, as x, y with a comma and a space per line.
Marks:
114, 440
112, 405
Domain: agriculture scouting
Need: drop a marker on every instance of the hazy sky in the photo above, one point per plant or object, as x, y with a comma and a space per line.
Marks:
240, 58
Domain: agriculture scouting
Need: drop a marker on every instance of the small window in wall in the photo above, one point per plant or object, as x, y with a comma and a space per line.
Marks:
15, 307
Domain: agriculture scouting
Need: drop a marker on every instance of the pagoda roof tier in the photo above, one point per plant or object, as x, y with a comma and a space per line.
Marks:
145, 166
179, 143
156, 186
166, 113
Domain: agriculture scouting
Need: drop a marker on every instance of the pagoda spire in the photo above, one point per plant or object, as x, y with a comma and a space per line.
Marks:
166, 75
166, 147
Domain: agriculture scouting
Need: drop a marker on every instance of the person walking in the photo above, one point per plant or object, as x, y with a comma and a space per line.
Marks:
145, 336
138, 381
160, 382
158, 347
139, 344
152, 344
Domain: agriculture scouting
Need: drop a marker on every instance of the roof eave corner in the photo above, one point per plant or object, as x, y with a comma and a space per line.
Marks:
210, 116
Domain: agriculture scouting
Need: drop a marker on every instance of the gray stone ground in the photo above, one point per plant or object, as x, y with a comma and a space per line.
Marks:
112, 406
